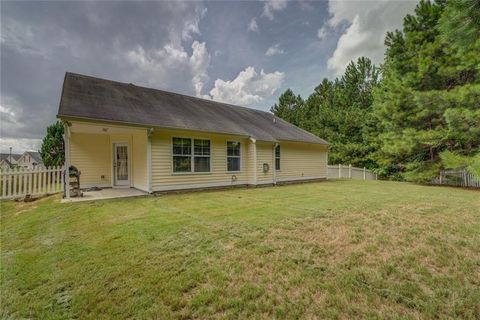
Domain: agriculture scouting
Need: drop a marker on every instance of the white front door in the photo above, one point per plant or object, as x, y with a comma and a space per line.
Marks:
121, 165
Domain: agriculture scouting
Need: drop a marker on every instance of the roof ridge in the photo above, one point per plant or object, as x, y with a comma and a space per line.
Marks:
172, 93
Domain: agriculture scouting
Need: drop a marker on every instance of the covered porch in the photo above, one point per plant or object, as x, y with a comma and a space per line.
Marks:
107, 193
110, 157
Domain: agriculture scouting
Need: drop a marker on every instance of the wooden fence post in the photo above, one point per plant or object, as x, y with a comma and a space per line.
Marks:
9, 192
350, 171
364, 173
339, 171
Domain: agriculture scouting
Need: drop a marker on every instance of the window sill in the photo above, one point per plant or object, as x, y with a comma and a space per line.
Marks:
190, 173
236, 172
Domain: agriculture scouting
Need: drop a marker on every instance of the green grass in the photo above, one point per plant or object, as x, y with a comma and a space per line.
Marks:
336, 249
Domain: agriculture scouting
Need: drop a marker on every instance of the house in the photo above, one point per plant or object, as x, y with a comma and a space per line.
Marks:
30, 160
123, 135
8, 160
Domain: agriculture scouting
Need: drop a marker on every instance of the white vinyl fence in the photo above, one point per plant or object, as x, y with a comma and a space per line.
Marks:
18, 182
339, 171
461, 178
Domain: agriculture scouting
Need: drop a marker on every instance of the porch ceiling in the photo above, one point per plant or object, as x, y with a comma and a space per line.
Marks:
99, 128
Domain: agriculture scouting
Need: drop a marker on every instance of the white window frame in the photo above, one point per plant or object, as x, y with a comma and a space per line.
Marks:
279, 158
239, 156
191, 155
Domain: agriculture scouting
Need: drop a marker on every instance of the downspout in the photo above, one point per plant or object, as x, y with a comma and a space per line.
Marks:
66, 145
274, 162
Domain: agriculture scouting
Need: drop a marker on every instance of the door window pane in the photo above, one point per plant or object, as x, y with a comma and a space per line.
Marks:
122, 163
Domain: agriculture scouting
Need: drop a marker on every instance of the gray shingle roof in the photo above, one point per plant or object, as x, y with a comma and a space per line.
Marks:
87, 97
36, 156
6, 156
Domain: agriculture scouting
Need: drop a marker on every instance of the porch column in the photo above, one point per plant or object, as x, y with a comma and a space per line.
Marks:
253, 141
66, 140
149, 159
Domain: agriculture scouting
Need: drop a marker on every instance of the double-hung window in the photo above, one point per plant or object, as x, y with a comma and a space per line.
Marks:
201, 155
277, 157
233, 156
182, 155
190, 155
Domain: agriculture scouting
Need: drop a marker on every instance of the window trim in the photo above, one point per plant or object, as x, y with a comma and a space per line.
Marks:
192, 156
227, 156
279, 158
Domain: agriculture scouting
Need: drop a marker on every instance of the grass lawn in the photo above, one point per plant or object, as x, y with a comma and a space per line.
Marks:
336, 249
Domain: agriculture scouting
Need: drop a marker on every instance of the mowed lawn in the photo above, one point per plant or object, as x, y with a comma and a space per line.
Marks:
336, 249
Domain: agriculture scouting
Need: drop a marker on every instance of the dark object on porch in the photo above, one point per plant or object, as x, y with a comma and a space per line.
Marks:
74, 186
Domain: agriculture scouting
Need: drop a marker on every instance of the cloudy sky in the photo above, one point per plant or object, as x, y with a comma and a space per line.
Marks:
245, 53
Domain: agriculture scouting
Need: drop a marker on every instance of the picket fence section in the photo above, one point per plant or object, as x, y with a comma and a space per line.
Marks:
339, 171
19, 182
461, 178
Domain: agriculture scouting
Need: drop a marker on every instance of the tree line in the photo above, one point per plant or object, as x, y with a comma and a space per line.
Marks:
416, 113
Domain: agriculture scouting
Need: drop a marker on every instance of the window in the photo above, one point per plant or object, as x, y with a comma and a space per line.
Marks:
277, 157
233, 156
201, 155
182, 155
188, 156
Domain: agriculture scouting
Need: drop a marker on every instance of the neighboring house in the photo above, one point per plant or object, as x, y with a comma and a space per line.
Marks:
30, 160
8, 160
123, 135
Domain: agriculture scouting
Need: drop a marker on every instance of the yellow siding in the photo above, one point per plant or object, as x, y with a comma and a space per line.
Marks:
90, 153
139, 166
302, 161
163, 177
264, 155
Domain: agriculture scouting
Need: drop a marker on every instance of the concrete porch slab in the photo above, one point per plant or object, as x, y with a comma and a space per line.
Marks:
107, 193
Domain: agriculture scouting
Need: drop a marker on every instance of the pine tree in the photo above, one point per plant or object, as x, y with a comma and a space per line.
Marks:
427, 84
289, 107
52, 150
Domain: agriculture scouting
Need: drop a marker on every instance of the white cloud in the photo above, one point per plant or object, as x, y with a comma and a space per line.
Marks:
367, 27
171, 65
322, 33
10, 123
199, 62
248, 87
273, 50
19, 145
191, 26
273, 5
253, 26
